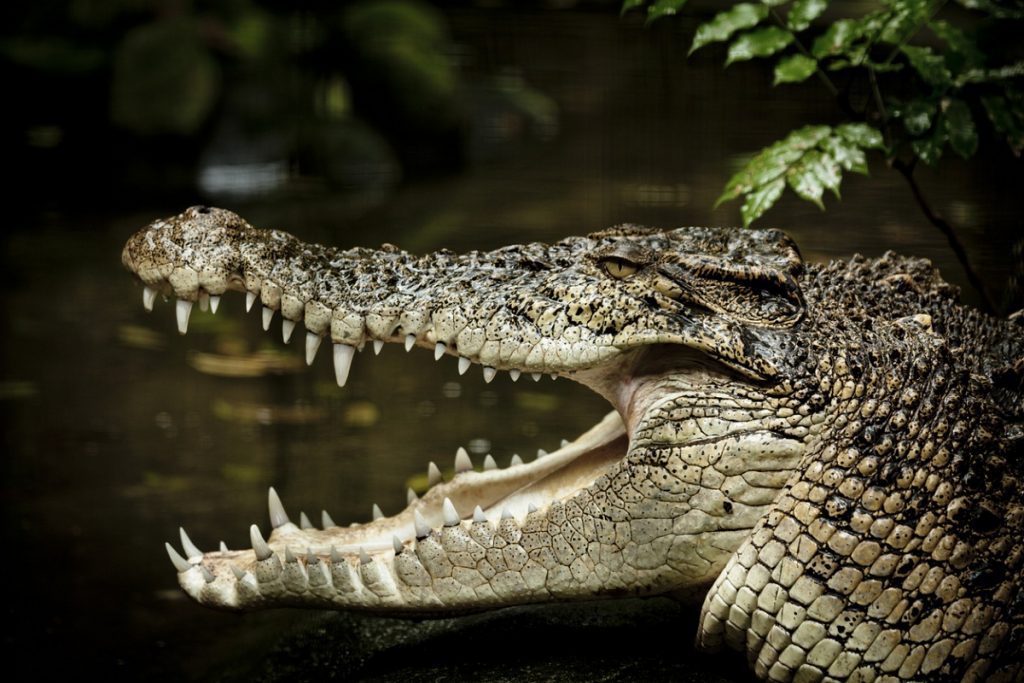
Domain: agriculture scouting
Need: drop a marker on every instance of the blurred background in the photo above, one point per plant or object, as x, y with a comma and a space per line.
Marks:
466, 125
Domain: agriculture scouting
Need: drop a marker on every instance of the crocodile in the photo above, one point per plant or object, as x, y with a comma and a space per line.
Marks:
828, 458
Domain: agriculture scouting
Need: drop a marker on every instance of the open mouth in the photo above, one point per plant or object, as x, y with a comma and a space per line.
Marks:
485, 495
593, 517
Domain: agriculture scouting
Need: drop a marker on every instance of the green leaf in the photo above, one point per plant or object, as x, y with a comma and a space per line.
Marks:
723, 25
918, 116
803, 12
993, 8
848, 155
837, 39
862, 135
930, 66
760, 43
630, 5
901, 21
803, 180
794, 68
774, 3
929, 149
825, 169
959, 126
1001, 114
663, 8
1002, 73
963, 52
760, 200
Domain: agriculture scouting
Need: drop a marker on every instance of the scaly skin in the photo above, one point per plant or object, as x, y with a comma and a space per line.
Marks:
831, 457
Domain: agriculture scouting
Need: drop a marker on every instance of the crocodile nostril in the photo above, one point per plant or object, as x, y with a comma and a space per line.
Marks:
203, 209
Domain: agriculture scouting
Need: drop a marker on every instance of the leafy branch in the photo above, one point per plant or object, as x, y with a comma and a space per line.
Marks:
930, 82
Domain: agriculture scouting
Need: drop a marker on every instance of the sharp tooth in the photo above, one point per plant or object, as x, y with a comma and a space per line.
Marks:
289, 556
411, 497
239, 573
304, 522
489, 463
310, 557
433, 474
259, 546
224, 547
516, 460
422, 528
268, 315
377, 346
410, 341
451, 517
182, 310
398, 545
464, 364
287, 327
343, 354
363, 557
439, 348
565, 442
541, 453
506, 513
250, 299
179, 562
536, 376
489, 374
312, 346
462, 461
214, 303
377, 514
531, 508
325, 520
514, 374
207, 574
148, 297
478, 514
554, 376
204, 302
190, 548
278, 517
336, 557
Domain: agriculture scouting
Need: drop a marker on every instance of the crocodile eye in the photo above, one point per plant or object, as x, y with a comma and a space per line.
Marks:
619, 268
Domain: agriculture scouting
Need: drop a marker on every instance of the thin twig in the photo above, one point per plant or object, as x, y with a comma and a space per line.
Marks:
822, 76
907, 171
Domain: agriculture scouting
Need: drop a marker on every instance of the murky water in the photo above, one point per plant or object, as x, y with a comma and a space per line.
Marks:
116, 430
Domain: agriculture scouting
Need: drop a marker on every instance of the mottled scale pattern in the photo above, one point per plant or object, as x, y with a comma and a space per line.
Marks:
830, 457
896, 551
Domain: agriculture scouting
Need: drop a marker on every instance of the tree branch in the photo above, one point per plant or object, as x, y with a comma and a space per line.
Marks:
907, 171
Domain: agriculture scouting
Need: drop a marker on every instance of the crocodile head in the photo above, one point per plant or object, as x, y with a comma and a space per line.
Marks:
744, 447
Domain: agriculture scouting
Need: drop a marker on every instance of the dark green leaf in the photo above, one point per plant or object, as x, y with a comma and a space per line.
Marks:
664, 8
862, 135
1001, 114
1002, 73
848, 155
825, 169
929, 149
794, 68
804, 181
723, 25
993, 8
774, 3
917, 116
836, 39
760, 200
930, 66
959, 125
803, 12
759, 43
961, 47
629, 5
902, 20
